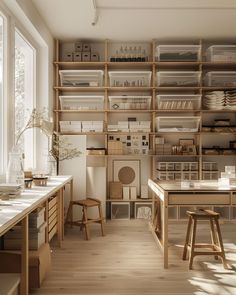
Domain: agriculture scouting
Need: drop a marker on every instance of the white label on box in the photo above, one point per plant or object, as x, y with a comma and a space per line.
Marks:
125, 193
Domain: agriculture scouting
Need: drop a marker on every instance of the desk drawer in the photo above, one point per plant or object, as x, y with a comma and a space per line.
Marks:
52, 202
199, 198
234, 199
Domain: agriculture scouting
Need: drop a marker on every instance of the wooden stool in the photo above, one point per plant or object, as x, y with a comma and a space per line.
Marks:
217, 248
83, 223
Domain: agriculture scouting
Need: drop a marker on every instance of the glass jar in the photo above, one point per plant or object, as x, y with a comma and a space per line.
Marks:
15, 171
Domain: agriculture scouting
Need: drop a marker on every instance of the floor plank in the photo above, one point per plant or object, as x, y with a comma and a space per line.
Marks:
127, 262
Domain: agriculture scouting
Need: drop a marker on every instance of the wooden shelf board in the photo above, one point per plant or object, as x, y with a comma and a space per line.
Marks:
184, 156
122, 200
177, 88
211, 88
79, 111
78, 89
130, 155
130, 111
81, 133
79, 64
217, 133
178, 111
113, 88
219, 111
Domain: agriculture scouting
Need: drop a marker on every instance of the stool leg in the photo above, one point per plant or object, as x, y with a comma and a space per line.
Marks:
187, 238
192, 243
85, 222
69, 215
101, 219
213, 235
221, 244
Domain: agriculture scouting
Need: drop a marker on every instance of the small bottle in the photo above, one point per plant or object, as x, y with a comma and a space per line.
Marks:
144, 56
112, 58
122, 56
15, 170
135, 54
117, 56
129, 57
139, 58
126, 54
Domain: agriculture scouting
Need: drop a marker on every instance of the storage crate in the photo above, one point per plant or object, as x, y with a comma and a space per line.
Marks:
130, 78
143, 210
177, 124
120, 210
70, 126
172, 212
221, 53
178, 78
82, 102
183, 210
81, 78
223, 210
209, 166
233, 212
12, 239
129, 102
220, 78
178, 102
92, 126
178, 52
37, 217
165, 166
210, 175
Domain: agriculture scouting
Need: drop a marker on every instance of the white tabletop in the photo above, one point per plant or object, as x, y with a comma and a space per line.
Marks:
14, 210
197, 185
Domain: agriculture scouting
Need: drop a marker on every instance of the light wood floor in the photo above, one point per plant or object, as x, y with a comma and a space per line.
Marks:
127, 262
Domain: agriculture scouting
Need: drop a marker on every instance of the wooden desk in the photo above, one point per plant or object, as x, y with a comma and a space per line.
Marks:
19, 208
169, 193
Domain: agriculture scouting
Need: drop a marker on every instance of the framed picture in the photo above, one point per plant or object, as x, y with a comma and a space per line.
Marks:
127, 172
186, 141
191, 149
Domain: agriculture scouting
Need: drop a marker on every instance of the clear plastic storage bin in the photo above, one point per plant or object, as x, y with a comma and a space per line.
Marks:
120, 210
177, 124
178, 79
70, 126
81, 102
178, 102
178, 52
129, 102
130, 78
221, 53
81, 78
220, 79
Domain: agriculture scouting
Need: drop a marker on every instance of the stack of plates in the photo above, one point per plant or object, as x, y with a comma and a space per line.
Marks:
230, 99
11, 190
214, 100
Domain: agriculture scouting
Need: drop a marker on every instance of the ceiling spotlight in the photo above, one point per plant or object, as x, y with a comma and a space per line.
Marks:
95, 17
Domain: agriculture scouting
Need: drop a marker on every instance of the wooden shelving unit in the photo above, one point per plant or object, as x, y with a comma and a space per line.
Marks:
106, 114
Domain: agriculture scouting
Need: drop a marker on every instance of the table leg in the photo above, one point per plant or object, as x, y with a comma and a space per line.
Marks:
24, 286
59, 217
165, 232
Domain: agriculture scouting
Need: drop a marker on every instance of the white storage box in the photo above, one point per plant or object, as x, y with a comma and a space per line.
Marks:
82, 102
92, 126
81, 78
12, 239
37, 218
178, 79
120, 210
221, 53
129, 102
130, 78
143, 210
221, 79
209, 166
210, 175
178, 102
177, 124
70, 126
178, 52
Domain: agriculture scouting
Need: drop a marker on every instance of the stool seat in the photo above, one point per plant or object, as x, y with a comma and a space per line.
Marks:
83, 223
216, 247
87, 202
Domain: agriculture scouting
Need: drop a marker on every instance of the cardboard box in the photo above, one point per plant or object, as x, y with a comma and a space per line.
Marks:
86, 56
39, 264
67, 56
77, 56
94, 57
78, 46
115, 189
86, 47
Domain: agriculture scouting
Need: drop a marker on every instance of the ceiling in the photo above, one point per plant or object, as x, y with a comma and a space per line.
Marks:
139, 19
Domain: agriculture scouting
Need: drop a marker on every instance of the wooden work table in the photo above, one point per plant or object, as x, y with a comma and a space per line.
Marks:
172, 193
18, 209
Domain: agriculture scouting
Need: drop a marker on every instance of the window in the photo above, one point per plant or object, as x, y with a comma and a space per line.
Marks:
24, 96
2, 52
